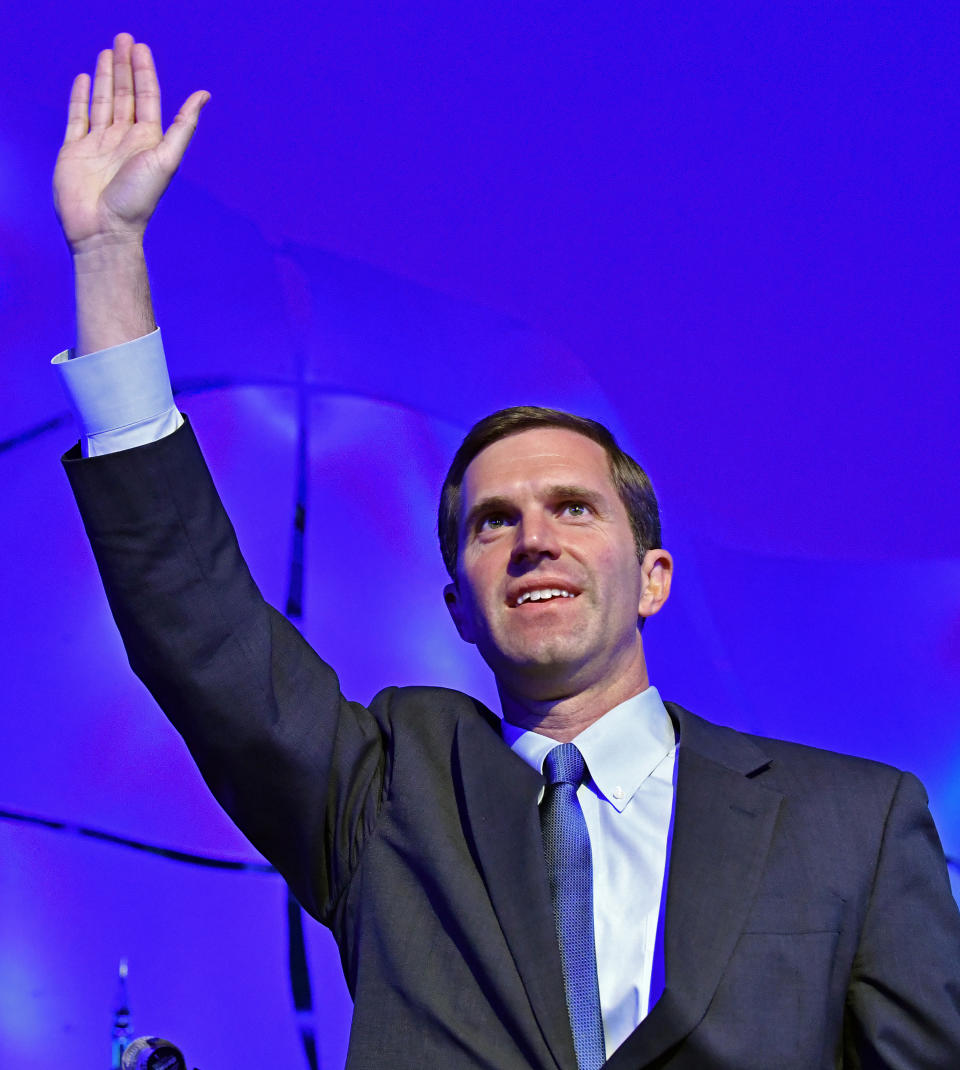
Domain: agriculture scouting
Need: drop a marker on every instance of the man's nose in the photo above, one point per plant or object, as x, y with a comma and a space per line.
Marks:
535, 537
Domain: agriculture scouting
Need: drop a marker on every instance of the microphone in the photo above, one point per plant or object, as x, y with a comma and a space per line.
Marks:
152, 1053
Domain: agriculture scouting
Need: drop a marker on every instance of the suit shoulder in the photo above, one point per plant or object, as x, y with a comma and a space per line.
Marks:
423, 706
803, 754
798, 767
844, 776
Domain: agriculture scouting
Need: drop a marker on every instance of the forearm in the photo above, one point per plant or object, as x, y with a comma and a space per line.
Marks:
112, 294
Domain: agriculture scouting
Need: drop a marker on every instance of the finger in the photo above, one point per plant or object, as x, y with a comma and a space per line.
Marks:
101, 106
78, 109
181, 130
122, 79
145, 84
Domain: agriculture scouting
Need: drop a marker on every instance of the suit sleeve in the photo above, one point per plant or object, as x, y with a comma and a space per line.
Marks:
903, 1004
299, 769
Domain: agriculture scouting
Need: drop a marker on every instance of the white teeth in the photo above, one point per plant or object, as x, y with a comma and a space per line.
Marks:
543, 595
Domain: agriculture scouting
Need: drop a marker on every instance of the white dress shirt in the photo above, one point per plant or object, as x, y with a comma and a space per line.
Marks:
122, 398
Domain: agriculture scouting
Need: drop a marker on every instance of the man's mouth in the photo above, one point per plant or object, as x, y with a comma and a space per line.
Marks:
544, 594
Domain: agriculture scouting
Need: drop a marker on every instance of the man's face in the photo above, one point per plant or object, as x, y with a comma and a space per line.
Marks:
549, 586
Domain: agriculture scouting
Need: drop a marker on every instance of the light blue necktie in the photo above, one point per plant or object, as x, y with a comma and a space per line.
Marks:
566, 844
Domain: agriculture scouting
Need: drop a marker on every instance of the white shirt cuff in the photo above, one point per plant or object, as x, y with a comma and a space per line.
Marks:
121, 396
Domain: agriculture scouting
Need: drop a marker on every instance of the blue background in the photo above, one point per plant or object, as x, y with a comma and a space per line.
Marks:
731, 231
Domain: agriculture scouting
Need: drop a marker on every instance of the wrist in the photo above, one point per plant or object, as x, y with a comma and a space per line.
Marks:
108, 253
113, 296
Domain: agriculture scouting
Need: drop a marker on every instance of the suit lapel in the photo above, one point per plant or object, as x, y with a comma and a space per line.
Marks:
500, 794
723, 823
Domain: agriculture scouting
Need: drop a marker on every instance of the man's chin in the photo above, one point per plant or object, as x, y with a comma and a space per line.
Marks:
543, 674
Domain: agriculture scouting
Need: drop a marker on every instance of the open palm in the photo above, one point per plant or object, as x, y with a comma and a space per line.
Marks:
116, 161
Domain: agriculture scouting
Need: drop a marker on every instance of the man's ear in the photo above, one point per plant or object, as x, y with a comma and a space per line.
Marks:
455, 607
656, 571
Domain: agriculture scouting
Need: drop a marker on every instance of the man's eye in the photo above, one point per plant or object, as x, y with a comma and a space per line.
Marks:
493, 522
575, 509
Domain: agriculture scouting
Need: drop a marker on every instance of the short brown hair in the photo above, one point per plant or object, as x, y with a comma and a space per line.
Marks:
631, 482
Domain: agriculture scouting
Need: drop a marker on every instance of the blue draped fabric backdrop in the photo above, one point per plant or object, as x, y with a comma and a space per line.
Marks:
729, 233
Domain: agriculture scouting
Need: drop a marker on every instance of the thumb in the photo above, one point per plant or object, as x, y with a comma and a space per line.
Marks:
181, 130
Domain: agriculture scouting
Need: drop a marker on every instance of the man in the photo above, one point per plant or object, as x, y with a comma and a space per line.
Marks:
799, 916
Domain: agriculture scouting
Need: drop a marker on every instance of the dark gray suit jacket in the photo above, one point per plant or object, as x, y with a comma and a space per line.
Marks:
809, 920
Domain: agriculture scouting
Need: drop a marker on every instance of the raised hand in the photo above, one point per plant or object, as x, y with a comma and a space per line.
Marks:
114, 164
116, 161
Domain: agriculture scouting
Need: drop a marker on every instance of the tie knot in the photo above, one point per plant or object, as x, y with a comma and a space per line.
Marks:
565, 765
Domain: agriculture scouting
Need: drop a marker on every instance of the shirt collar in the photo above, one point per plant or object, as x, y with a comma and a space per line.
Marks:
622, 748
